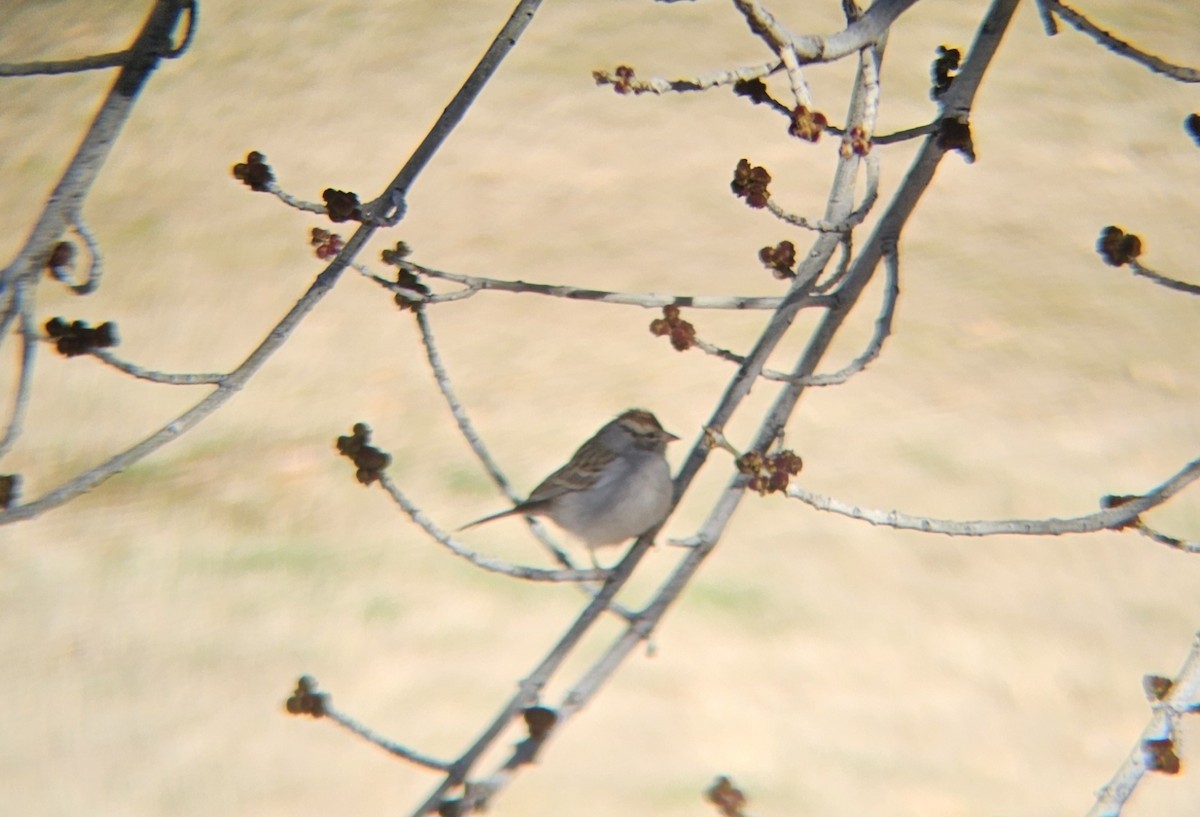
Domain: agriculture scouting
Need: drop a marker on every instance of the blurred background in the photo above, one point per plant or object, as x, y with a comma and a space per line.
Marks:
152, 629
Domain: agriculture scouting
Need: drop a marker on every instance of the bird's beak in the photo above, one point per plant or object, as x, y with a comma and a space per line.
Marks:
670, 437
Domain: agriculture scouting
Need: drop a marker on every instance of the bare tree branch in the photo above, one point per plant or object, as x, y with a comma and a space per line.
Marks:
648, 300
883, 328
167, 378
112, 59
1163, 280
82, 172
535, 574
1114, 518
473, 439
920, 175
25, 69
1048, 8
29, 336
1183, 696
659, 85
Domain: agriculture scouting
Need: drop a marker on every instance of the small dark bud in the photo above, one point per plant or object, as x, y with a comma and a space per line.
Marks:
681, 333
368, 461
1160, 756
1156, 687
61, 258
944, 70
750, 183
306, 700
956, 135
1192, 126
806, 124
728, 799
539, 720
10, 490
396, 254
254, 172
450, 808
77, 338
1117, 247
755, 89
780, 259
341, 205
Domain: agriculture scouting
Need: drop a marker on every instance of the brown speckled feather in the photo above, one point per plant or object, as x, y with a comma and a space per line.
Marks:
581, 472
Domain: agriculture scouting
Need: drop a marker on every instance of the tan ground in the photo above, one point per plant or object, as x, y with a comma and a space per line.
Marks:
150, 631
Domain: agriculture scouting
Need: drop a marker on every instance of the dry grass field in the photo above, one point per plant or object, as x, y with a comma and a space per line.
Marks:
150, 631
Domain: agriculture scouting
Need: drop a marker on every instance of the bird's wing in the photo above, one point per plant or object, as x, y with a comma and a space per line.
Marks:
580, 473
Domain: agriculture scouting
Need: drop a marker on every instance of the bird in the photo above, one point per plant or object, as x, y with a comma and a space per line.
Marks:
617, 485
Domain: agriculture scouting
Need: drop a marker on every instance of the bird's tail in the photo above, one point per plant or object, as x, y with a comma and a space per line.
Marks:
499, 515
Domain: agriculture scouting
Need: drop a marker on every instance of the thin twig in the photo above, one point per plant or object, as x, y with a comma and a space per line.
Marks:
819, 226
1172, 542
1118, 46
476, 442
95, 260
1162, 280
112, 59
852, 220
1049, 23
659, 85
648, 300
843, 265
1109, 519
883, 328
467, 429
287, 198
167, 378
905, 135
456, 407
29, 338
534, 574
389, 208
26, 69
389, 746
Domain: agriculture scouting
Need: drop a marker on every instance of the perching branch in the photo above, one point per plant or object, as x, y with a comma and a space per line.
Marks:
991, 29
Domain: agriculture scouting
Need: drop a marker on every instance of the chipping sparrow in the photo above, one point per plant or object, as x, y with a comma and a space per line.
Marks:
616, 486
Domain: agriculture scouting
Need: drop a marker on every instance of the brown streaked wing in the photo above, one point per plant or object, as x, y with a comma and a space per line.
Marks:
581, 472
